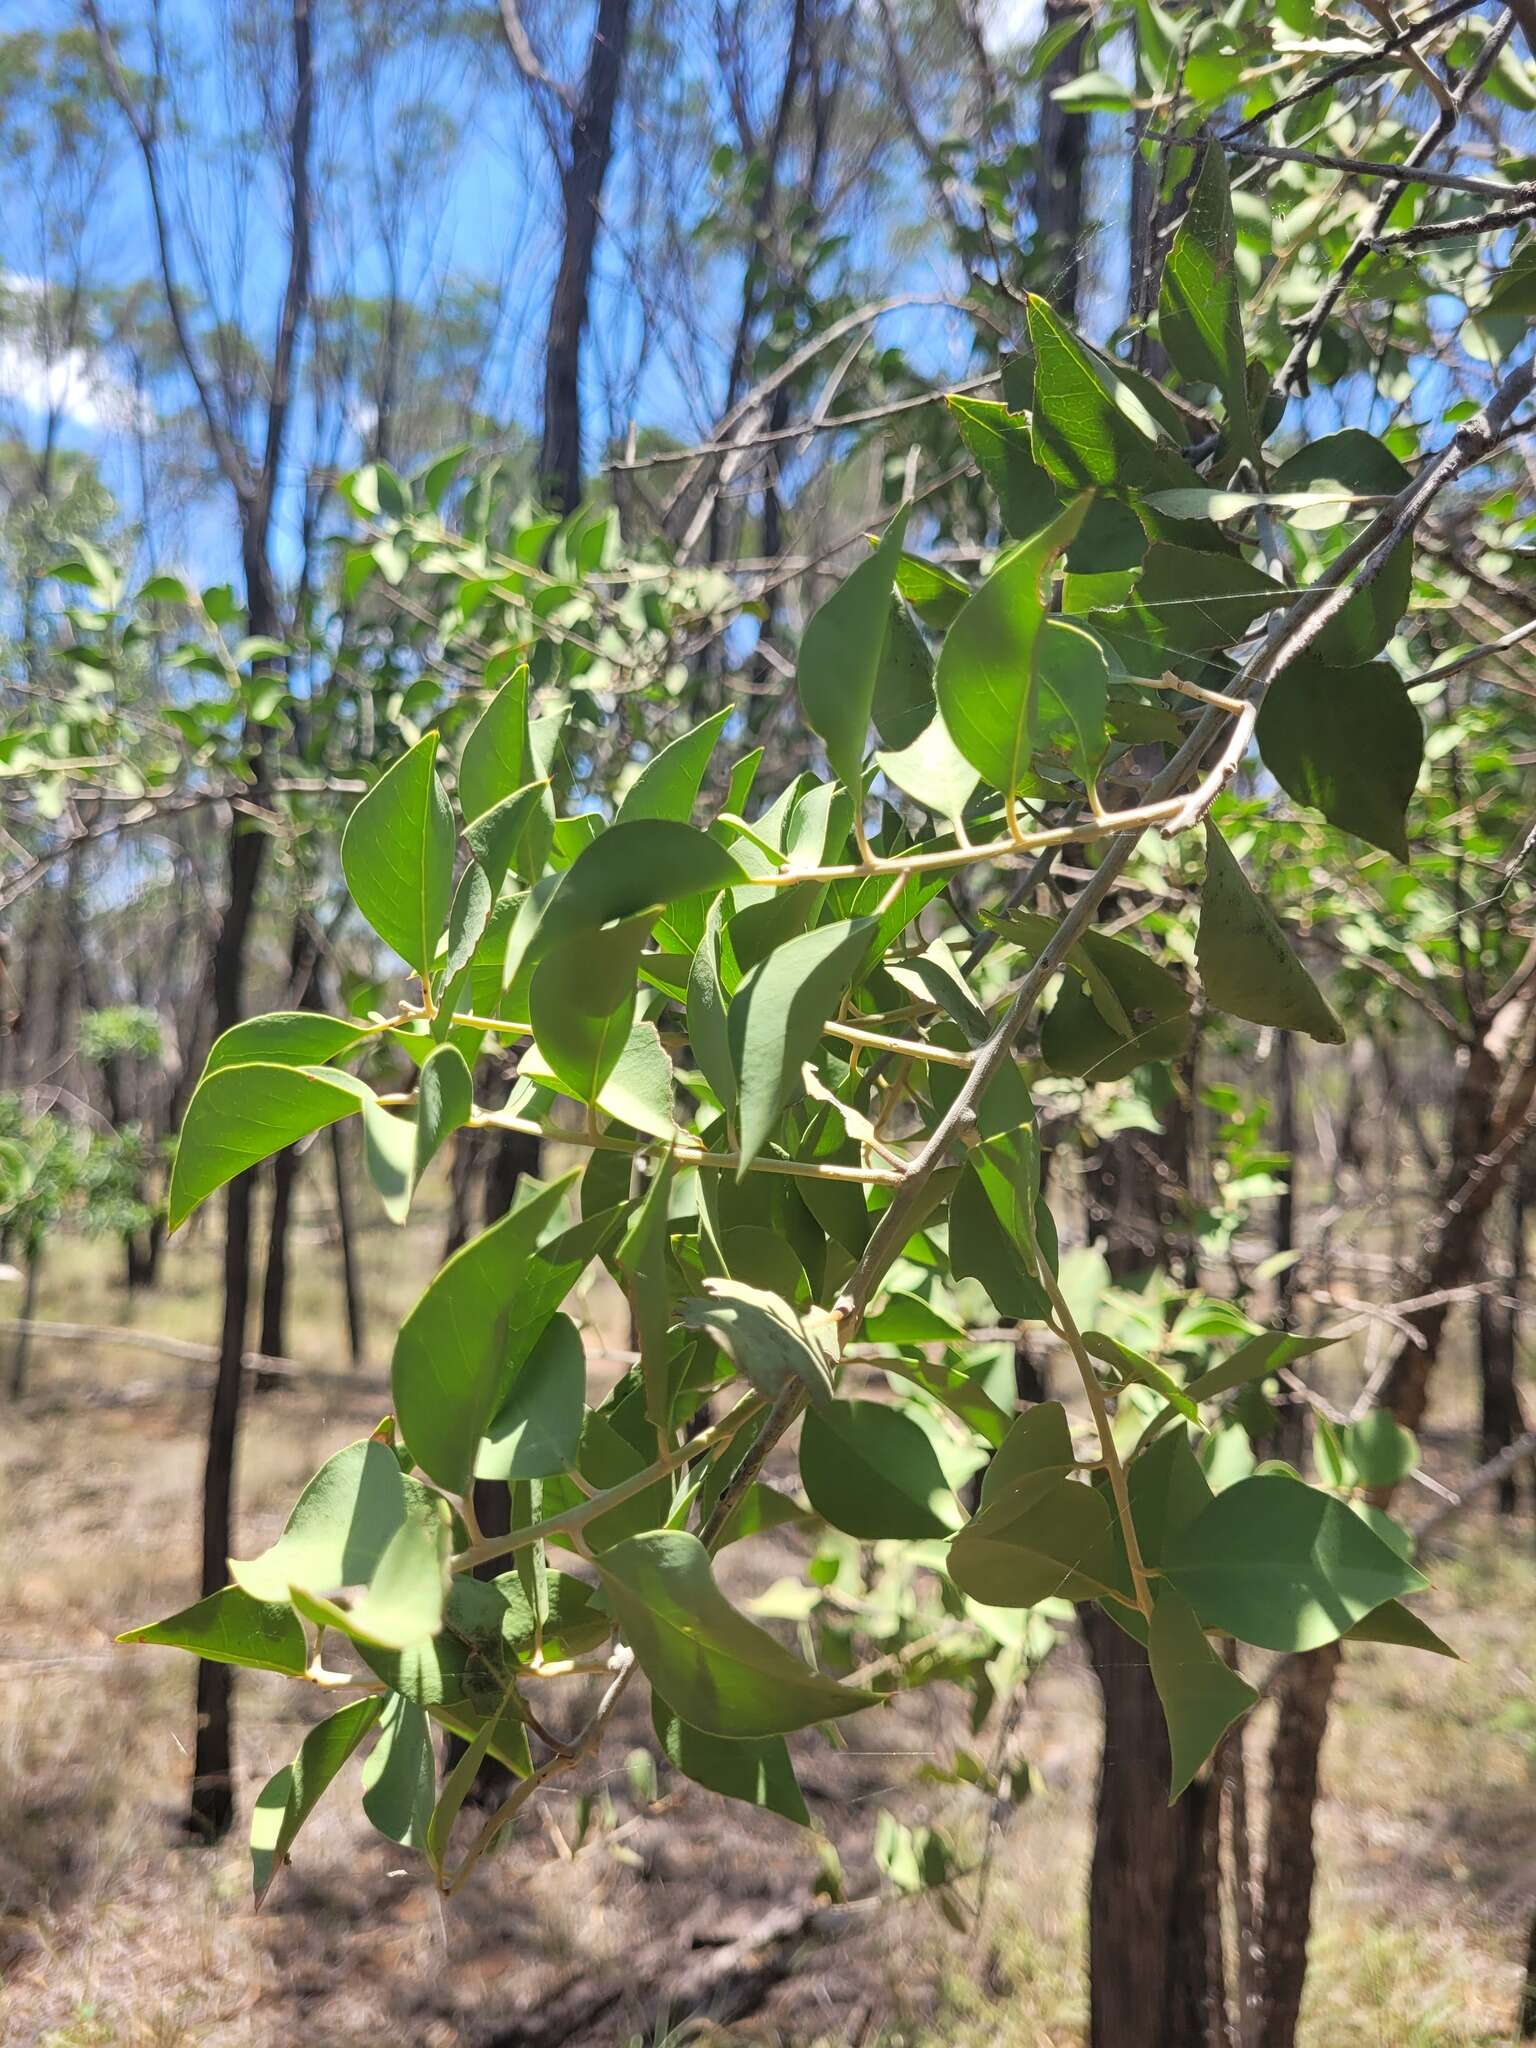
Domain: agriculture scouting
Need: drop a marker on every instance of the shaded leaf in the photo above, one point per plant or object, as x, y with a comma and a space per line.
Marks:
1245, 959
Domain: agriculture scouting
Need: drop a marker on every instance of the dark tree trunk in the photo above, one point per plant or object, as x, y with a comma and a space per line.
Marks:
1153, 1981
1290, 1857
33, 1266
303, 994
463, 1167
1061, 154
581, 194
1527, 2016
351, 1276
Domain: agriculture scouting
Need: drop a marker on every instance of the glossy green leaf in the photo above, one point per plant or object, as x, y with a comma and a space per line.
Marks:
230, 1627
1002, 693
449, 1355
581, 1003
1245, 960
757, 1773
1090, 428
1046, 1537
497, 760
642, 1259
932, 771
240, 1115
397, 856
537, 1427
764, 1337
668, 785
1279, 1564
1200, 320
400, 1774
1348, 741
1003, 446
287, 1038
1201, 1694
776, 1019
1039, 1440
1394, 1623
841, 651
1355, 461
873, 1472
727, 1676
642, 865
288, 1799
908, 1319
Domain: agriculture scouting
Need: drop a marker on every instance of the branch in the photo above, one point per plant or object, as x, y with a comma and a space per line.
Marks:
526, 58
231, 456
1366, 167
296, 290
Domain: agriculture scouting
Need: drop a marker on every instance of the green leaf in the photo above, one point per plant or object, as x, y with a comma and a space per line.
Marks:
908, 1319
1045, 1537
638, 866
229, 1627
981, 1249
1091, 430
776, 1019
904, 700
1200, 320
668, 785
1394, 1623
1513, 294
1349, 742
1382, 1452
503, 839
1004, 450
707, 1030
1354, 461
1117, 1008
1279, 1564
1038, 1441
537, 1427
873, 1472
400, 1775
758, 1773
398, 1149
1202, 1696
642, 1258
288, 1800
241, 1115
763, 1336
840, 656
581, 1003
450, 1353
934, 592
932, 771
1134, 1369
286, 1038
397, 856
727, 1676
1168, 1491
1253, 1360
497, 760
341, 1526
456, 1789
402, 1604
1000, 692
1245, 959
1190, 602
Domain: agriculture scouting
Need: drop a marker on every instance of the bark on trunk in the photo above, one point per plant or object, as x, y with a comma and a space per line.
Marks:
1290, 1858
351, 1276
21, 1353
581, 193
1152, 1981
1061, 154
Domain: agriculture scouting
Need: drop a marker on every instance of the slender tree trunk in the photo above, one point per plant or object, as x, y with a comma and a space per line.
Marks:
33, 1268
581, 194
303, 994
1290, 1858
1061, 154
212, 1807
1526, 2021
351, 1275
463, 1166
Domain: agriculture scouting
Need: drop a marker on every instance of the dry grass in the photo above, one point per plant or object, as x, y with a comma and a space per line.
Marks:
114, 1934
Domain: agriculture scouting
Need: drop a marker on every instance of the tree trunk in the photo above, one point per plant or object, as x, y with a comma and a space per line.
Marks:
273, 1339
1152, 1981
1061, 154
581, 193
351, 1275
33, 1264
212, 1805
1527, 2016
1290, 1857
